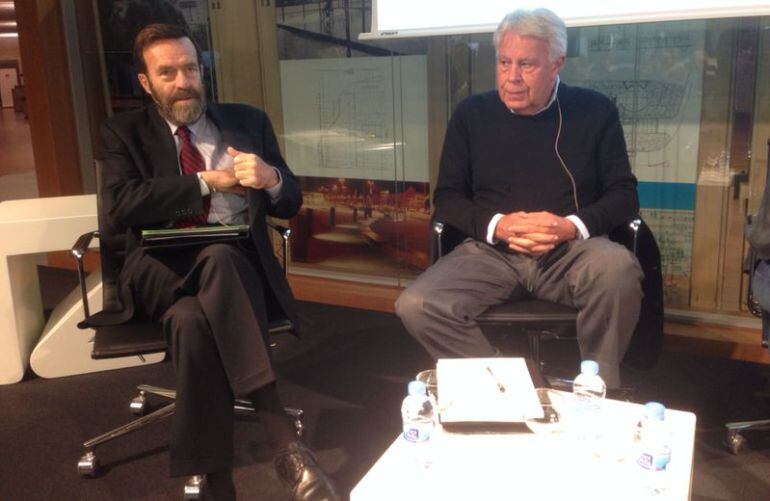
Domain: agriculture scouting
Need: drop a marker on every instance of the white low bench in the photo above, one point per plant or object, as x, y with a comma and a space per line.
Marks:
28, 230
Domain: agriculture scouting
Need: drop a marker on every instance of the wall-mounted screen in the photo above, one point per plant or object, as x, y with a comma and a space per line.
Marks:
410, 18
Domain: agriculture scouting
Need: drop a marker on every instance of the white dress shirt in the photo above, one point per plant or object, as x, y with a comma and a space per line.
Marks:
226, 208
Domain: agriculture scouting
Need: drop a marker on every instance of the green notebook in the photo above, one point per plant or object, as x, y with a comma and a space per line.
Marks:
170, 236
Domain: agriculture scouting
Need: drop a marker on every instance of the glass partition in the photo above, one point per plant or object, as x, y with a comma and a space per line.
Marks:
685, 91
362, 124
355, 130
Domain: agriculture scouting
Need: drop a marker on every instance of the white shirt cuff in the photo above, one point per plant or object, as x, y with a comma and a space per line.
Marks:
205, 191
582, 230
491, 240
275, 191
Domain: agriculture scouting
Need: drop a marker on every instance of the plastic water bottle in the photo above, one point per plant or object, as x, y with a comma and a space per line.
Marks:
589, 391
418, 415
653, 441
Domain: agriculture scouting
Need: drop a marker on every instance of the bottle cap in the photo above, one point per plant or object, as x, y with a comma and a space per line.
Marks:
655, 410
589, 367
417, 388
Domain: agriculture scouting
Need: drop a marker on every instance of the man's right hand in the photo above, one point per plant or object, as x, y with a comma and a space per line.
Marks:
526, 233
223, 180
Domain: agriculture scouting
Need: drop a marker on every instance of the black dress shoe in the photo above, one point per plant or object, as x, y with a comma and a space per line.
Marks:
299, 471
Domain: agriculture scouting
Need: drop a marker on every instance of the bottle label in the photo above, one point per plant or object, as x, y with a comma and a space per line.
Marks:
587, 403
653, 462
417, 432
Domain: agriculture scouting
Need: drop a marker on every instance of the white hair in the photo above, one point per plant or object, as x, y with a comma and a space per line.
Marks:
539, 23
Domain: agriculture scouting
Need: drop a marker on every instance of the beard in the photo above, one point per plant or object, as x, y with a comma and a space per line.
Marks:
179, 112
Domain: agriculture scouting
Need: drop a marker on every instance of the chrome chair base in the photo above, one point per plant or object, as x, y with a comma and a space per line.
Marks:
735, 441
193, 488
89, 465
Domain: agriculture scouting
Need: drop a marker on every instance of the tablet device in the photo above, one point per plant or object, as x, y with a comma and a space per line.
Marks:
199, 234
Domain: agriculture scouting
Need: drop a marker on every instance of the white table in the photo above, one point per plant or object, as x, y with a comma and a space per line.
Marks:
28, 230
504, 466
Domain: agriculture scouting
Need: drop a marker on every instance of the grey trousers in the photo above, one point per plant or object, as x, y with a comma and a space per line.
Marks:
600, 278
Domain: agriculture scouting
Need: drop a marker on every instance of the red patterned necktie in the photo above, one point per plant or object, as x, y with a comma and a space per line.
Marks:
191, 160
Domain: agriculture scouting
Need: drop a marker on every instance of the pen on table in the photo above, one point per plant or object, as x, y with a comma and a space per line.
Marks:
497, 382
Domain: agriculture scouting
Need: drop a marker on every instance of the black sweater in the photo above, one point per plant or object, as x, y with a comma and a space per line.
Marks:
494, 161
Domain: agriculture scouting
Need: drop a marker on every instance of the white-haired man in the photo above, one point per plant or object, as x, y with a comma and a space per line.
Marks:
536, 174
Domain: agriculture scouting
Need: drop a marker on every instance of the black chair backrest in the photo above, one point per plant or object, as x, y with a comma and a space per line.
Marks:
112, 244
647, 341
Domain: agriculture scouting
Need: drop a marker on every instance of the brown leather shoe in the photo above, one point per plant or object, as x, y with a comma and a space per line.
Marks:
299, 471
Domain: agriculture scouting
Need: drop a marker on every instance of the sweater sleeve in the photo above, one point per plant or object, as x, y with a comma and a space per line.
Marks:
617, 200
453, 197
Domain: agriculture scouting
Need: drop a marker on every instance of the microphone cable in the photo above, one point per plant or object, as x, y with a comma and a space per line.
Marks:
561, 160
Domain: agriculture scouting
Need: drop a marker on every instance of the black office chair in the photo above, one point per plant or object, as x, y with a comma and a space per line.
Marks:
544, 320
139, 338
735, 440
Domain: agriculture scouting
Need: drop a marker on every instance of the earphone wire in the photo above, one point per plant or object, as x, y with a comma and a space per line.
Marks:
561, 160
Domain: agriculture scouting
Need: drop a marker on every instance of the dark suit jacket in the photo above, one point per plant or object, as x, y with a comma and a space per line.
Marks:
141, 187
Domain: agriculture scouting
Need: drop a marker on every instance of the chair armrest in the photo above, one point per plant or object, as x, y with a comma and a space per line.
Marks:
81, 244
78, 252
634, 225
285, 235
438, 230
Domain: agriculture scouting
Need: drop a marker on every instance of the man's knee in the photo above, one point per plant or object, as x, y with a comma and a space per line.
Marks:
615, 270
185, 316
409, 304
218, 254
223, 260
418, 306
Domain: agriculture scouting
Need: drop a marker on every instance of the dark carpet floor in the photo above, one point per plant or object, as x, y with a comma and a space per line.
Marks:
349, 373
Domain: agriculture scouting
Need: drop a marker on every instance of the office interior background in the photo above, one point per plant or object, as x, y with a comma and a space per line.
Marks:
361, 122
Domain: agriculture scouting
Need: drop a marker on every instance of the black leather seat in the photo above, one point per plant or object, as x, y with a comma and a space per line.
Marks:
545, 320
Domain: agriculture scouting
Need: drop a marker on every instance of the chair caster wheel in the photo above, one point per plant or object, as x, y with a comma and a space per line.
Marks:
299, 427
88, 465
193, 488
138, 405
297, 416
735, 442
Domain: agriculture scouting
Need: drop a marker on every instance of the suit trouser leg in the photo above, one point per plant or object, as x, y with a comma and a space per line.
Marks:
211, 302
439, 308
602, 280
202, 431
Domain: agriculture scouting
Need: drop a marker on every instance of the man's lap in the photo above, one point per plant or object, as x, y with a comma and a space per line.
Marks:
476, 275
158, 277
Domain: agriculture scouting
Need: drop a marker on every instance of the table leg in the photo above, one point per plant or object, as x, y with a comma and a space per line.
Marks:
21, 314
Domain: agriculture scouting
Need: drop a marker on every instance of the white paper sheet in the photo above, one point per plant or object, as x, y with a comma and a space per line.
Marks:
493, 390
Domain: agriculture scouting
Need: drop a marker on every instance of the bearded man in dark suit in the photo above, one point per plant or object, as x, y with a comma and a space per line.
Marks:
183, 162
